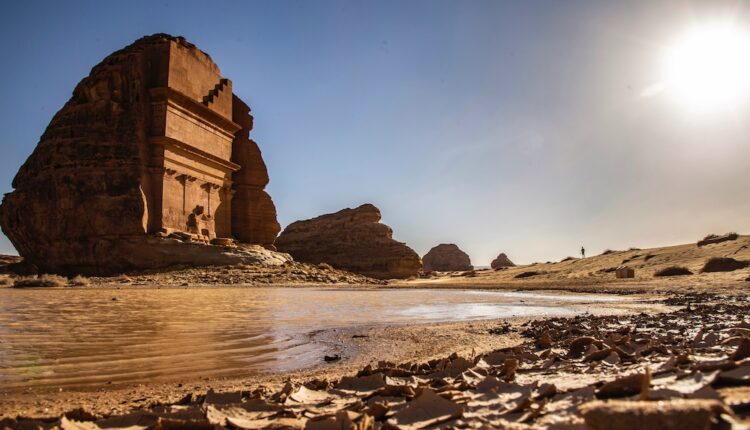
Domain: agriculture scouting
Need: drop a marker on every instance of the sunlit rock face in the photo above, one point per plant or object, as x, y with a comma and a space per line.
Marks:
446, 257
353, 240
152, 144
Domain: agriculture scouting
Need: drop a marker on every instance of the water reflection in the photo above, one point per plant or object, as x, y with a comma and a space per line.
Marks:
76, 337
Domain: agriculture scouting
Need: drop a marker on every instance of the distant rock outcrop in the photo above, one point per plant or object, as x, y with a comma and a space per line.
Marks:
501, 261
446, 257
715, 238
353, 240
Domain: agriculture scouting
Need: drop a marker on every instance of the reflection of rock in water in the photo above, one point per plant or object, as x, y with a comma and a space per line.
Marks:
153, 142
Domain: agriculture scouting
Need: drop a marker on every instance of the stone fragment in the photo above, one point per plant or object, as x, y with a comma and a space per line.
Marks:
545, 340
353, 240
579, 345
743, 350
361, 384
446, 257
740, 375
214, 398
339, 421
426, 410
644, 415
625, 386
71, 424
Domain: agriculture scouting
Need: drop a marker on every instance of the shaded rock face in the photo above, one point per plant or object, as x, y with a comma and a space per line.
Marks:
446, 257
253, 211
152, 142
350, 239
502, 260
714, 238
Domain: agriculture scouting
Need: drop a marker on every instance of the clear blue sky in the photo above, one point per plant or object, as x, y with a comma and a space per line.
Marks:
517, 127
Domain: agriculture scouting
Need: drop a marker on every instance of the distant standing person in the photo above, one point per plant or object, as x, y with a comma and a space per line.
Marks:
583, 252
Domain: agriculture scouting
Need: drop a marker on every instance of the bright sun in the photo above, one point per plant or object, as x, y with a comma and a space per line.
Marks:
709, 69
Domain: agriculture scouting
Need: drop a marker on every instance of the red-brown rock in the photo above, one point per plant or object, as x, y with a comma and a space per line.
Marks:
446, 257
502, 260
152, 143
350, 239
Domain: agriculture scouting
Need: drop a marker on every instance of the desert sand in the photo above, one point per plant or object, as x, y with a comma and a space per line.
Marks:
596, 273
689, 349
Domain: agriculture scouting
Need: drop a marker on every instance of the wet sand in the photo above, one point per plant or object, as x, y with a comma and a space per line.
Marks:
358, 341
693, 358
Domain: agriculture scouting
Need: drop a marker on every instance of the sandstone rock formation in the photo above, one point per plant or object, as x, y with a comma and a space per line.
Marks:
502, 260
350, 239
446, 257
152, 142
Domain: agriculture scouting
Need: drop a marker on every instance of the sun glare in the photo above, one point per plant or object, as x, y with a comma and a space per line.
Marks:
709, 68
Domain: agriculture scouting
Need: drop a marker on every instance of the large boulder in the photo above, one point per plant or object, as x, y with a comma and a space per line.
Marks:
353, 240
446, 257
501, 261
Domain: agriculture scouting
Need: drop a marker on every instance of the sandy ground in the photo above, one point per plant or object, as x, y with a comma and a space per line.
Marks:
596, 273
366, 346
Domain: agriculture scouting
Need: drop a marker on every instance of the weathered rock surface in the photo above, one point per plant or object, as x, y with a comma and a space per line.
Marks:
261, 226
153, 140
350, 239
665, 415
446, 257
502, 260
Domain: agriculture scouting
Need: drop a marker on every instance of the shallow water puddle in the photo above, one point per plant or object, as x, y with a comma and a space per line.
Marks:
69, 337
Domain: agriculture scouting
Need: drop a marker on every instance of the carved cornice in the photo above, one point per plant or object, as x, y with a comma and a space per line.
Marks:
198, 110
193, 152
